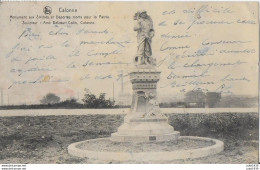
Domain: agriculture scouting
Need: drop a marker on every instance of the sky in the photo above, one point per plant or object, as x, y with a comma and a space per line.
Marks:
197, 45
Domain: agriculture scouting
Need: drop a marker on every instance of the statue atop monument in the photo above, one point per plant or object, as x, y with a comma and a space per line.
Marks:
145, 33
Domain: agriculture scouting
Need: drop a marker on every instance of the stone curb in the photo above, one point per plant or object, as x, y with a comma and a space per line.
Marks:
149, 156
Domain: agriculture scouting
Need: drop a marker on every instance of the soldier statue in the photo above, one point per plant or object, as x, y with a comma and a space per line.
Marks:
145, 33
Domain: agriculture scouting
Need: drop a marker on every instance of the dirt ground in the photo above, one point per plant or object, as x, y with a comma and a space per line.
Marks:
44, 140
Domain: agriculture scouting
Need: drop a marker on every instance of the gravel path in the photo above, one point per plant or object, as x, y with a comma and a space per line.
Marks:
109, 146
57, 112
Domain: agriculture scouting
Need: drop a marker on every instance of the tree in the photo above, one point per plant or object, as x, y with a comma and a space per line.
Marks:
69, 103
91, 101
212, 99
70, 100
50, 98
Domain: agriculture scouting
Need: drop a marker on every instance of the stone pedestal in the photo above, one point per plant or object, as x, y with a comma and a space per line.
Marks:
145, 122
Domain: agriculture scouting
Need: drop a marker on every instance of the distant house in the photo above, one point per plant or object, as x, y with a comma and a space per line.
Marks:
195, 99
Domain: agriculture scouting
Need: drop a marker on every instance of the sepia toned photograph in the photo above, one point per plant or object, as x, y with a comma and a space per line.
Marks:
129, 82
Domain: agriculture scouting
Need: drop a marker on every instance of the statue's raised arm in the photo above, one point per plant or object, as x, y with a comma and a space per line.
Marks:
145, 33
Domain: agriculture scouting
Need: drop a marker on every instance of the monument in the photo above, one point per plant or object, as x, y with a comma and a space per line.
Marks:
144, 122
145, 134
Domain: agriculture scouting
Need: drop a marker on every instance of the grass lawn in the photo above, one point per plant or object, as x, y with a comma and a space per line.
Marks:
44, 139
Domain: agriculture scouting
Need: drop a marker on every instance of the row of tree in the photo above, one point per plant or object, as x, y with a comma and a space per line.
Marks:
192, 99
89, 100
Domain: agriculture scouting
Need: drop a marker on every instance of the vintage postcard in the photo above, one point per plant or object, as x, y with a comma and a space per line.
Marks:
129, 82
